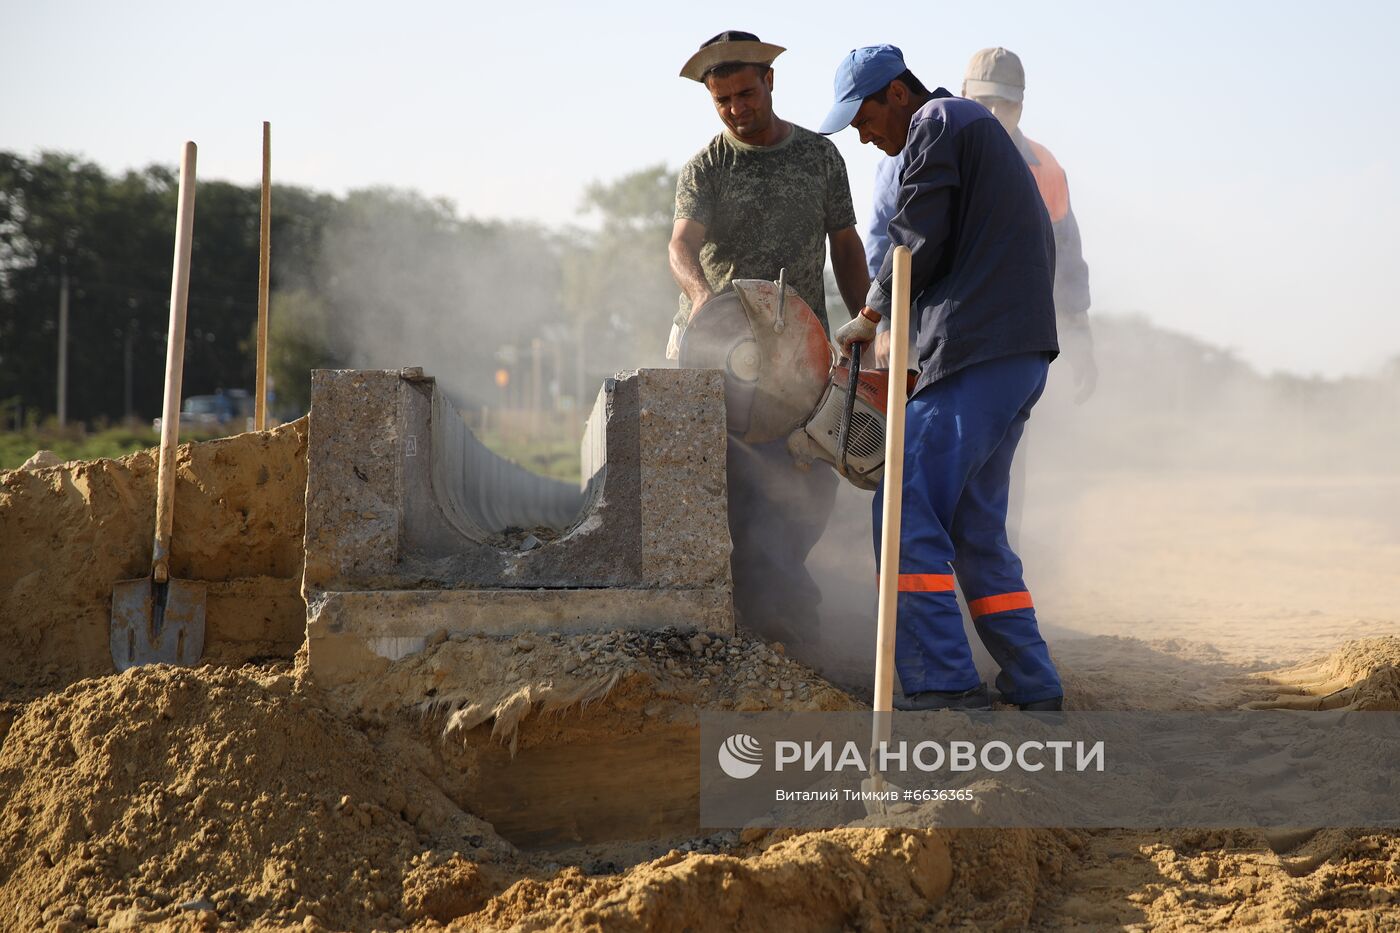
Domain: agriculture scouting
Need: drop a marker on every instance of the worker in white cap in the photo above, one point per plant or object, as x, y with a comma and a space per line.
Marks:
996, 79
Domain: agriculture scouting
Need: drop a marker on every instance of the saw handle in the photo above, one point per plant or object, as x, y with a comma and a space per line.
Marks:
843, 436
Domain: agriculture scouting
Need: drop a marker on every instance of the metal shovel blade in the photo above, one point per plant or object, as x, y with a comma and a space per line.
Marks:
157, 623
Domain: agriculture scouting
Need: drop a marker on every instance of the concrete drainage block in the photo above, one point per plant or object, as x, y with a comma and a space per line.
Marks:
414, 526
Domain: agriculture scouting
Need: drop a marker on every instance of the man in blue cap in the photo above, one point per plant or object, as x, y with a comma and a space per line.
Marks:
983, 271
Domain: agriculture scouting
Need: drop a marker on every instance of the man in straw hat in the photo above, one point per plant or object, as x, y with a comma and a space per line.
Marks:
765, 195
982, 288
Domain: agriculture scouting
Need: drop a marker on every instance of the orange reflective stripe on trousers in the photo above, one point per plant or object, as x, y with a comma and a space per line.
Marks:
924, 582
1003, 602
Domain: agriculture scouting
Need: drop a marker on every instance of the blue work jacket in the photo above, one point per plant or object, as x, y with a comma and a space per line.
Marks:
982, 244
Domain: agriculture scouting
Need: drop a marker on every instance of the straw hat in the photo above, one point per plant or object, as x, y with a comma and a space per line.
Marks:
730, 47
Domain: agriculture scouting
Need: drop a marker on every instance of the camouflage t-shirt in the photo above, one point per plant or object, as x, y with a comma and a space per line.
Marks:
766, 208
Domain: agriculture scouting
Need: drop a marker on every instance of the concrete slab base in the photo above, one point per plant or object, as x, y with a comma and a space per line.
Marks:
356, 634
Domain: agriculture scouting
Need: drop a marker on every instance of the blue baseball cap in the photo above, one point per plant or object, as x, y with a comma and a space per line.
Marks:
859, 75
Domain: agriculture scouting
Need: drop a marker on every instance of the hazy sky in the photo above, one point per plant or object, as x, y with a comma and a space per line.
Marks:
1233, 165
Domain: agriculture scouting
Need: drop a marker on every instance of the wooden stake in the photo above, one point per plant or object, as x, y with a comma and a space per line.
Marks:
264, 273
63, 344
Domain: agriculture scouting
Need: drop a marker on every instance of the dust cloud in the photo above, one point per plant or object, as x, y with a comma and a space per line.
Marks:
412, 284
1190, 498
505, 315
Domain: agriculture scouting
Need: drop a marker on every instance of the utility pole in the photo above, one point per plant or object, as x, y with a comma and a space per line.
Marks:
584, 403
536, 348
128, 372
63, 345
556, 385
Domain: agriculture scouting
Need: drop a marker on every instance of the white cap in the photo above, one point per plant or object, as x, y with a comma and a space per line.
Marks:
995, 73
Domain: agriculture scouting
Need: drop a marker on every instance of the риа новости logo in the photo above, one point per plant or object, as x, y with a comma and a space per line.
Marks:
740, 756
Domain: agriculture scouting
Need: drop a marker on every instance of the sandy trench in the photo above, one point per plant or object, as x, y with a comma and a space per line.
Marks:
239, 795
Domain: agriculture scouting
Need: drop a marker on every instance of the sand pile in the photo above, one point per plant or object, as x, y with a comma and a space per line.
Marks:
187, 798
41, 459
1179, 880
68, 532
843, 879
1112, 672
207, 795
1361, 675
839, 879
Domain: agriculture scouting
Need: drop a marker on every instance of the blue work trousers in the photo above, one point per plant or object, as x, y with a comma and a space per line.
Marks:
960, 438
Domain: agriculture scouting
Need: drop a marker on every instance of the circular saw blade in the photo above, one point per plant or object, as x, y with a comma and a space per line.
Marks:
718, 337
773, 375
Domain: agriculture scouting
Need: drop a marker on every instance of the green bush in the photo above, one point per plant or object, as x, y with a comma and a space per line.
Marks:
69, 444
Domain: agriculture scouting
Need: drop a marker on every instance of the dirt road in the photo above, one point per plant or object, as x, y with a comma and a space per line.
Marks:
1273, 568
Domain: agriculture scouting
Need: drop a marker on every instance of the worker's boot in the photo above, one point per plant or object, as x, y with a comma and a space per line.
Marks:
1052, 705
976, 698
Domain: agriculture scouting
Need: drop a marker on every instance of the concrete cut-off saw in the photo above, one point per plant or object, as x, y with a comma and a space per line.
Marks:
782, 378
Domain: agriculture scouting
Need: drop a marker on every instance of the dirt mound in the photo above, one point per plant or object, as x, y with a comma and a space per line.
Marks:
165, 794
41, 459
182, 799
1236, 879
1180, 880
1001, 876
1109, 672
835, 880
1361, 675
841, 879
68, 532
178, 798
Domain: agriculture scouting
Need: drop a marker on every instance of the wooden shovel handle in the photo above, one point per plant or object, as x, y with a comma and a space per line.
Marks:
894, 498
174, 368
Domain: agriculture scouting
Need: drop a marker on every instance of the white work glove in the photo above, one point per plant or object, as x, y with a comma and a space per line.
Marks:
673, 345
860, 329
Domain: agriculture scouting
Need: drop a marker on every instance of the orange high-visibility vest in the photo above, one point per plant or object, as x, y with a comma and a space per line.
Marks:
1051, 180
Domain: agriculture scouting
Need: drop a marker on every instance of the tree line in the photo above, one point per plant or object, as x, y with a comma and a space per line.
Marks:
379, 277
